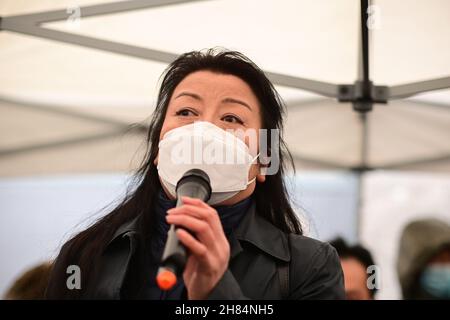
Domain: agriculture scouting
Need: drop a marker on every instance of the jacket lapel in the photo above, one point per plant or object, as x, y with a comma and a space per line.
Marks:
262, 234
116, 260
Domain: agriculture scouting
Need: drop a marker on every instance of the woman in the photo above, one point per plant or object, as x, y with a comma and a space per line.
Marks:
245, 243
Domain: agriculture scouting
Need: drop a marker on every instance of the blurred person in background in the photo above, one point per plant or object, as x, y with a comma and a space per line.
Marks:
31, 284
354, 261
423, 263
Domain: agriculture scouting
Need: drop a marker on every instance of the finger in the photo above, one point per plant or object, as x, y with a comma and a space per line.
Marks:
195, 247
190, 210
201, 229
195, 202
191, 264
209, 215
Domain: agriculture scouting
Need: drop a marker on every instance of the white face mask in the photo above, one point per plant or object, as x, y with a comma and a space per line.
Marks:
202, 145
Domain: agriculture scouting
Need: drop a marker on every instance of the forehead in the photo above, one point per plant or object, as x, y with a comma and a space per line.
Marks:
212, 84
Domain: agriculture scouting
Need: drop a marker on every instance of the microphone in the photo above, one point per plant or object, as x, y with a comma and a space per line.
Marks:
195, 184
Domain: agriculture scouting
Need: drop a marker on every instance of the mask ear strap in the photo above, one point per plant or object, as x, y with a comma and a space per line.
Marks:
256, 157
262, 169
251, 181
263, 164
253, 160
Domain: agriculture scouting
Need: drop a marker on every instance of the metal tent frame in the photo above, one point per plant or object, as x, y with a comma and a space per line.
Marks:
363, 94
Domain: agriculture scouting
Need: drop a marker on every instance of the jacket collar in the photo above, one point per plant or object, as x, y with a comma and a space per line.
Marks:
259, 232
253, 229
125, 229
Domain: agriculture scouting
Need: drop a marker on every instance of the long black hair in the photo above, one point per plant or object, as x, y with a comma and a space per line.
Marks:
271, 197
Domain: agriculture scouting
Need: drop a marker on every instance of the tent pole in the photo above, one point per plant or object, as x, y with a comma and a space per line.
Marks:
65, 111
363, 103
359, 202
7, 152
363, 65
97, 10
410, 89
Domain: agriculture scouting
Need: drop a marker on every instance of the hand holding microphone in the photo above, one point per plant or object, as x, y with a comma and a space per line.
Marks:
206, 242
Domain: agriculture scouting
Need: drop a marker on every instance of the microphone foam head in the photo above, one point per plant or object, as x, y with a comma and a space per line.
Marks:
166, 279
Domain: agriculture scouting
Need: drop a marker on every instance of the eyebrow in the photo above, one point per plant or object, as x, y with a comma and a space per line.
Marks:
189, 94
232, 100
226, 100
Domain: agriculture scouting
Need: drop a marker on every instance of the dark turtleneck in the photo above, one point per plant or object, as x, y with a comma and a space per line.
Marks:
230, 216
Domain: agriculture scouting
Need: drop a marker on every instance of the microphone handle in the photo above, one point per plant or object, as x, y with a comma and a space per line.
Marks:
174, 255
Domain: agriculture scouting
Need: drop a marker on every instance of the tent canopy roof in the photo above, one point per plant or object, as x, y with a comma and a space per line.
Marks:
52, 92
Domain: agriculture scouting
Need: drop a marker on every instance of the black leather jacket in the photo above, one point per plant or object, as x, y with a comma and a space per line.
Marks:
265, 263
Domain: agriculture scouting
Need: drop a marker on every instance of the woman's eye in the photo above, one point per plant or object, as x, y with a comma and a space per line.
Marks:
185, 113
232, 119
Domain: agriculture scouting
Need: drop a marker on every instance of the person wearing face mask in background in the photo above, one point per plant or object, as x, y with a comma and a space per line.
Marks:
245, 242
423, 263
355, 261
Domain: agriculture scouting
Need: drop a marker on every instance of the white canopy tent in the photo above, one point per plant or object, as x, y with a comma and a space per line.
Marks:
80, 104
66, 105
